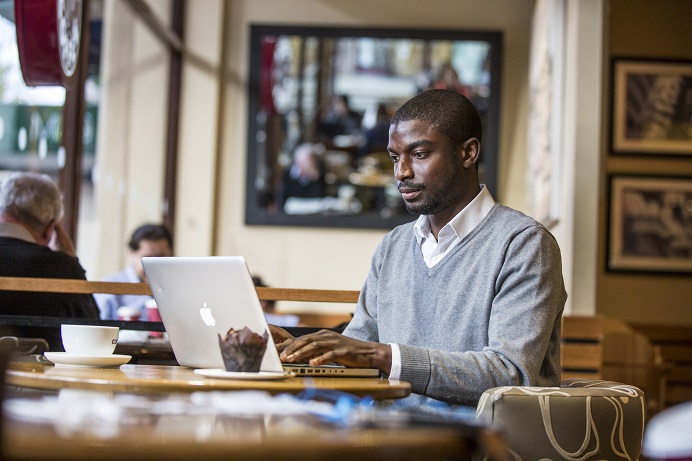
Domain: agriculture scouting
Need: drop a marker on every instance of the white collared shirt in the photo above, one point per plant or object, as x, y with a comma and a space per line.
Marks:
454, 231
16, 231
434, 250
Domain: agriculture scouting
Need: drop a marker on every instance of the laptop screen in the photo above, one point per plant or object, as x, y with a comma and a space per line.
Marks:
200, 298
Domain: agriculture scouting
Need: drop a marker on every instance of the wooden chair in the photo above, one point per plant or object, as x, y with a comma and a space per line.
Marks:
153, 354
583, 419
593, 347
674, 342
598, 347
592, 415
91, 287
581, 351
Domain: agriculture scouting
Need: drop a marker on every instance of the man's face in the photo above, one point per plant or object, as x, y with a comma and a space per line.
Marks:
148, 248
427, 168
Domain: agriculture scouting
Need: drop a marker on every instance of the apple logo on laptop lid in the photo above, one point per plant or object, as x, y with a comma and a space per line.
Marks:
207, 317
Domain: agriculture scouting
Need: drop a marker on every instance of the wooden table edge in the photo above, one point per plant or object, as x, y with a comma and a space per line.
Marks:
39, 380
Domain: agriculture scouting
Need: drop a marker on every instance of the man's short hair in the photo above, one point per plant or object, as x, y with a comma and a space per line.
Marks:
450, 112
33, 199
151, 233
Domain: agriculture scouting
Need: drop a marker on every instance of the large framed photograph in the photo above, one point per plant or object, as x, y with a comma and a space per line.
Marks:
319, 104
650, 224
652, 107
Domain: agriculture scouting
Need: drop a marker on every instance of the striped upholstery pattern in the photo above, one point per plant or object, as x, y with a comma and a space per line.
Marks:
582, 420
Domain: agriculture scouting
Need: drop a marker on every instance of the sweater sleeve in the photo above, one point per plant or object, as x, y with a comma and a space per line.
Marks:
523, 330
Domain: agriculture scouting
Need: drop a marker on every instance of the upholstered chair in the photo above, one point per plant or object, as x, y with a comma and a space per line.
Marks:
582, 420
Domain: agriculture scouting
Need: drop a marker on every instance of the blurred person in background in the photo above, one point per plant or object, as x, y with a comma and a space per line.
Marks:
376, 137
340, 119
304, 178
34, 244
146, 240
448, 79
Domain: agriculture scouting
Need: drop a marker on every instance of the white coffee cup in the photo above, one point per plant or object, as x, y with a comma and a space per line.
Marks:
89, 339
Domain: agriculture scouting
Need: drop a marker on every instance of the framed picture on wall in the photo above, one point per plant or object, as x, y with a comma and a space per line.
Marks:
652, 106
319, 104
650, 227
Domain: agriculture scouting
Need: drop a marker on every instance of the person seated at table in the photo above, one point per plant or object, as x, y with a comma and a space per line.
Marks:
448, 79
33, 243
269, 308
146, 240
376, 137
304, 178
340, 119
467, 297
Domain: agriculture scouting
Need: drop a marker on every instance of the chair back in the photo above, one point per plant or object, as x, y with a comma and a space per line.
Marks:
582, 420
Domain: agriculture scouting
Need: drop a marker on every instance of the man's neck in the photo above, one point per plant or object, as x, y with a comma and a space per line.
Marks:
439, 220
11, 220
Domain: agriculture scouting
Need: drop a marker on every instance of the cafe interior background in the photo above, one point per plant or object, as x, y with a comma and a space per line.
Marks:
127, 121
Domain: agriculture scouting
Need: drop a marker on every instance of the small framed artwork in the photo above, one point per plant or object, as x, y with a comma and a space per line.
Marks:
652, 107
650, 224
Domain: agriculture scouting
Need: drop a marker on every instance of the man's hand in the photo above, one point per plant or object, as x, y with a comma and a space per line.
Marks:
281, 337
327, 346
60, 241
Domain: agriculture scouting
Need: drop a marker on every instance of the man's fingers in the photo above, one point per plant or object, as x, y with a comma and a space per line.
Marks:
280, 346
290, 350
304, 348
279, 335
322, 347
327, 357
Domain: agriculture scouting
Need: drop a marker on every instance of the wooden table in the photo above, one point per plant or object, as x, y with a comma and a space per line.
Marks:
166, 379
140, 433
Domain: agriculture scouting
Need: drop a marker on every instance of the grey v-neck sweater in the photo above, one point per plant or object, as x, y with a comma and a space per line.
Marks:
488, 314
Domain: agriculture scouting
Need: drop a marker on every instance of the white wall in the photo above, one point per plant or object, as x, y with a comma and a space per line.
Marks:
128, 181
199, 124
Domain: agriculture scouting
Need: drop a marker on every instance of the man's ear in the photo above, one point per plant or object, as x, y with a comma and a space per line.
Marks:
471, 150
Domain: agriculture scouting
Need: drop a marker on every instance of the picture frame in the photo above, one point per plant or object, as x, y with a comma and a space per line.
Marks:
652, 107
302, 76
650, 225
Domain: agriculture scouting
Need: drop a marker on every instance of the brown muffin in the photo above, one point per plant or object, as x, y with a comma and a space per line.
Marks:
243, 350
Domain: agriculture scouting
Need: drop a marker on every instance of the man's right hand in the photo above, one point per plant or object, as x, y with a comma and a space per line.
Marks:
281, 337
60, 241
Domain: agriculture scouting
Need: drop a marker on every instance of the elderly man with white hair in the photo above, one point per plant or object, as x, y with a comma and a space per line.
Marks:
34, 244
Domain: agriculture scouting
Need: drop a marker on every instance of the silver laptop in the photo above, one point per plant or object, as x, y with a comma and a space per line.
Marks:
201, 297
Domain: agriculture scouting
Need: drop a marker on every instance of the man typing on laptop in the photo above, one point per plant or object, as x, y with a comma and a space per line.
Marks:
466, 298
200, 299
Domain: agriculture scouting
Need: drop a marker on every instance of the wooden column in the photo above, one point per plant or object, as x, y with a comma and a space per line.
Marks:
72, 129
174, 83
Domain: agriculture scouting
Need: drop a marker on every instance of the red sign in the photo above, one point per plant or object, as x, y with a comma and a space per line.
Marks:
48, 37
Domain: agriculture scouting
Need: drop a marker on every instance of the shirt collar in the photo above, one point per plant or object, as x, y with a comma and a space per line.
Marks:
16, 231
464, 222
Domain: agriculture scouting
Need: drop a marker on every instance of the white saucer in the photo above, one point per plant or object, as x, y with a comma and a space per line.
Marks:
259, 376
63, 359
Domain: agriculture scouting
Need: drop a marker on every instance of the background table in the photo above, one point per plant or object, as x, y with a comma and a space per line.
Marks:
164, 379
